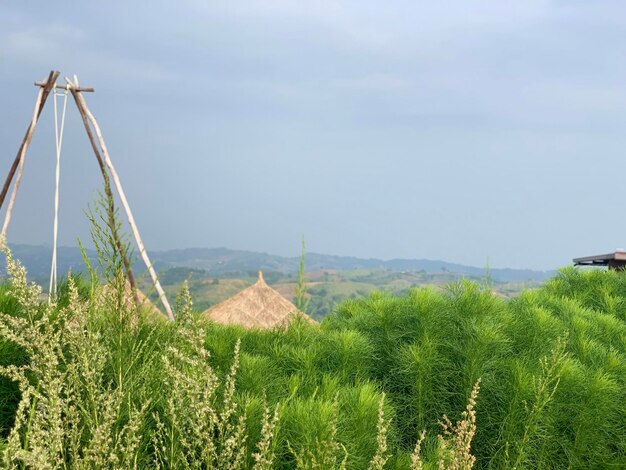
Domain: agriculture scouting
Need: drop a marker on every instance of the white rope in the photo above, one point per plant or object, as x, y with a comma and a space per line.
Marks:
58, 134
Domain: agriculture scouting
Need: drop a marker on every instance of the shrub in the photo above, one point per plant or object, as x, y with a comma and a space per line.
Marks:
91, 382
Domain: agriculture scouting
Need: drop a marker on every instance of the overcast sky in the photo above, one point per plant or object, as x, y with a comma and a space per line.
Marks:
461, 130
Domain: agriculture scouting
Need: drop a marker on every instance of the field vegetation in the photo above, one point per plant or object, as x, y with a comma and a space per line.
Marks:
386, 381
326, 288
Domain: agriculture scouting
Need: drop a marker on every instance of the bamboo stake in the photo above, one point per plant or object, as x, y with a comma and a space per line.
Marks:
42, 96
108, 192
129, 214
67, 87
20, 169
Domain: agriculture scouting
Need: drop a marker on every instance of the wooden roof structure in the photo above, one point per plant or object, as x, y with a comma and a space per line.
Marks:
615, 260
258, 306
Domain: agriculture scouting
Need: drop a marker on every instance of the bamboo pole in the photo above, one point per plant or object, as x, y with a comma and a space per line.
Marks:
42, 96
67, 87
129, 214
20, 168
117, 240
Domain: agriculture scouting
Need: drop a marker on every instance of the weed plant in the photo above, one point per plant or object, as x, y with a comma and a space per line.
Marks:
90, 381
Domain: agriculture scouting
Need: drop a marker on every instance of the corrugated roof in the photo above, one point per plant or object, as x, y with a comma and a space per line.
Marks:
601, 260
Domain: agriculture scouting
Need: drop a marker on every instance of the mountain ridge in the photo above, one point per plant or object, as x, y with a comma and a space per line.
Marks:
221, 260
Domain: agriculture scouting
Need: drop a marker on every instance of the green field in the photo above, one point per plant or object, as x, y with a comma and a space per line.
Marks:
327, 288
90, 382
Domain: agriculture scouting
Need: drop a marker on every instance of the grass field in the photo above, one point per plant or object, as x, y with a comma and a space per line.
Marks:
91, 383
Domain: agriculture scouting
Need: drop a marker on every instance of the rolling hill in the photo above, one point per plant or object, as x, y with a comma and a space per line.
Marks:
215, 274
222, 261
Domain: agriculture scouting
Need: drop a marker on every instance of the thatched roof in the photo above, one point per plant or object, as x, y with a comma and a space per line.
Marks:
258, 306
145, 303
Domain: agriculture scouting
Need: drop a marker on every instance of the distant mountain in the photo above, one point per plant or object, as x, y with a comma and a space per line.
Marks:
37, 259
220, 261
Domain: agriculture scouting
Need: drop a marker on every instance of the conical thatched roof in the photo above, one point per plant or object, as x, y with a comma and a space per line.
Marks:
258, 306
129, 301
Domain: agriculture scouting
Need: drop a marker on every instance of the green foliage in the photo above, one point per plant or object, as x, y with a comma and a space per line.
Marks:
179, 275
111, 247
323, 289
10, 354
301, 301
91, 382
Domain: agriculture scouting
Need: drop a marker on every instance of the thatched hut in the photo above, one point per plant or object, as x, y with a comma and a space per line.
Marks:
258, 306
129, 301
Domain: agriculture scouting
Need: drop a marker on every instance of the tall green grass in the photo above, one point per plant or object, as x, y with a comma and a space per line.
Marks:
90, 382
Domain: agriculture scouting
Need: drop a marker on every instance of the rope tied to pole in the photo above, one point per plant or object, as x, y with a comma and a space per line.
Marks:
58, 134
99, 147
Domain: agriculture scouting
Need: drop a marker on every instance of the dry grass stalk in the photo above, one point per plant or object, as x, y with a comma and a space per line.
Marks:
68, 415
455, 444
72, 415
382, 427
264, 457
195, 431
416, 460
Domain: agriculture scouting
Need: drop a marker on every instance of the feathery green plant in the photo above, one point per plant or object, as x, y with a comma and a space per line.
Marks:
302, 301
90, 382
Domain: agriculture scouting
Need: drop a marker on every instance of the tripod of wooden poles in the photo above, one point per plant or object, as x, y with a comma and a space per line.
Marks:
106, 168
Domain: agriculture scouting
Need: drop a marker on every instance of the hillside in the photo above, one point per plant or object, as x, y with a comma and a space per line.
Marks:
327, 288
541, 380
218, 273
221, 261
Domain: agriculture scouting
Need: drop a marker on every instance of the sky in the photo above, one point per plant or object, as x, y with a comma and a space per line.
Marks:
475, 132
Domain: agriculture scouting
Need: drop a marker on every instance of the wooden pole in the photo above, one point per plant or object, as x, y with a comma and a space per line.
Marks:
109, 195
67, 87
105, 163
41, 101
20, 168
131, 220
